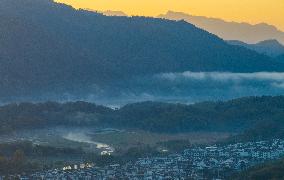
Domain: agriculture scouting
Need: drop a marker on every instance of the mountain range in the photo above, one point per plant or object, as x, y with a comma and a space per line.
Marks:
51, 49
244, 32
269, 47
231, 31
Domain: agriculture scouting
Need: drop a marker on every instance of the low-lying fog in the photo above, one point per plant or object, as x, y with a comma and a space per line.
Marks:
66, 136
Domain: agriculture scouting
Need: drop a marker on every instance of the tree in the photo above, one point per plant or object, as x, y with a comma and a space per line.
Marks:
18, 161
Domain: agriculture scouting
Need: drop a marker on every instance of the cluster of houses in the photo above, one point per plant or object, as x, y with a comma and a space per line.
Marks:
237, 156
213, 162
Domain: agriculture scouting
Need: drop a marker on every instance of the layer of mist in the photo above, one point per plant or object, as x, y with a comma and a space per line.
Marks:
186, 87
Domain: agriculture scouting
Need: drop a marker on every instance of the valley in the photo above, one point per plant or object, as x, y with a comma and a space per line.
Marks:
108, 141
89, 93
55, 135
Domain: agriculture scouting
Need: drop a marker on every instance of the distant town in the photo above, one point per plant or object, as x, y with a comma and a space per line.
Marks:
212, 162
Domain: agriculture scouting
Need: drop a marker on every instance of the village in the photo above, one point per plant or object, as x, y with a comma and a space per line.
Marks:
212, 162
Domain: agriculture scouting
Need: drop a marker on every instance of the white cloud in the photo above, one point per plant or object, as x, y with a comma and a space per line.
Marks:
224, 76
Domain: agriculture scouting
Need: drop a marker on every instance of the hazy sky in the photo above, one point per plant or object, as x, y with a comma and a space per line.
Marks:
251, 11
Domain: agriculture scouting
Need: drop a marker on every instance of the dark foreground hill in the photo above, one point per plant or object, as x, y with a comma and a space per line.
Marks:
253, 117
48, 48
272, 170
231, 116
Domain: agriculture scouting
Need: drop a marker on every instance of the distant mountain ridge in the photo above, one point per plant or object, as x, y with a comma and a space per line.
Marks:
230, 30
269, 47
49, 49
108, 12
114, 13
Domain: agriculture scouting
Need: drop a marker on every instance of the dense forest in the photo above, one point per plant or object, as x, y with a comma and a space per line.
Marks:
235, 115
280, 58
49, 48
29, 116
252, 115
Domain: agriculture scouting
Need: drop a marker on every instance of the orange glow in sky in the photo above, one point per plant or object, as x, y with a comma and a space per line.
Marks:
251, 11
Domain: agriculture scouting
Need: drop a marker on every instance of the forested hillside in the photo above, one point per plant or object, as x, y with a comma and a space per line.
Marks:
280, 58
253, 117
235, 115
